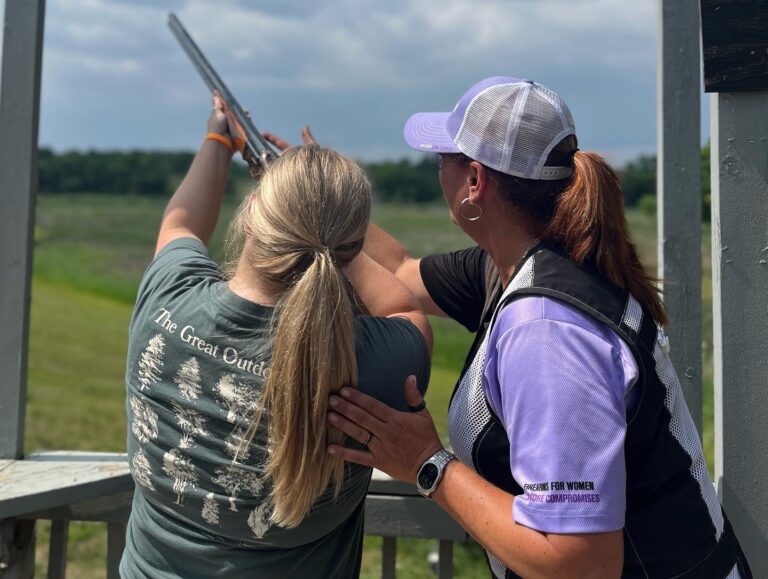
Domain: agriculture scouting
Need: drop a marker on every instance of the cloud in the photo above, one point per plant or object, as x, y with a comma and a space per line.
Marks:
355, 69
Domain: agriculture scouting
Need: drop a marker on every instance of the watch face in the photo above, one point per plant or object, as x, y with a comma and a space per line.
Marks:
428, 476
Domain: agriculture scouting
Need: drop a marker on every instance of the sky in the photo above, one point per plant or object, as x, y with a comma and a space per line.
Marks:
354, 70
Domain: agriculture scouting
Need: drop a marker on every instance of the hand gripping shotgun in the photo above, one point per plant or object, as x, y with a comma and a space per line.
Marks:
258, 152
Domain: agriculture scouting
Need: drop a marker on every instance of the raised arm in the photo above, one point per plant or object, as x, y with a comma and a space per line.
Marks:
385, 295
194, 209
391, 255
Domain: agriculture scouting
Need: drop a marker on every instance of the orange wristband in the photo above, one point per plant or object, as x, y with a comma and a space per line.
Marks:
226, 141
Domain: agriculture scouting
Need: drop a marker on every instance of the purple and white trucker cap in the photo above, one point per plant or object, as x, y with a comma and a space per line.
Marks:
507, 124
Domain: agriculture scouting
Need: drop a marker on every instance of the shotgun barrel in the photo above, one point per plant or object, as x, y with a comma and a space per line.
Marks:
258, 153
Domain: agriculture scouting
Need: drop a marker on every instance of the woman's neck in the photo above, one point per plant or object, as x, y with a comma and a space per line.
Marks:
507, 241
246, 284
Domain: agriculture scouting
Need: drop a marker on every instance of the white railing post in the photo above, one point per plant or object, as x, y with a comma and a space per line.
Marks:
740, 301
57, 552
19, 114
679, 190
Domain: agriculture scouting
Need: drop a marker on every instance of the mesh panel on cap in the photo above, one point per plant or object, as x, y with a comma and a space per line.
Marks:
539, 125
513, 127
484, 131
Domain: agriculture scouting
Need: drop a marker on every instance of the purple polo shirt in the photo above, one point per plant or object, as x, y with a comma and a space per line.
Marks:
561, 383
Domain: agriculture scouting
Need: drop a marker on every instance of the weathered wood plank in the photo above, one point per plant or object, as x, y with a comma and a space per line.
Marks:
740, 277
19, 115
57, 554
112, 508
384, 484
397, 516
735, 34
679, 191
34, 485
17, 549
389, 558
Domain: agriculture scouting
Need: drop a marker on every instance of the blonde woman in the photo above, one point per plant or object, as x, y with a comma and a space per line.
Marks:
228, 378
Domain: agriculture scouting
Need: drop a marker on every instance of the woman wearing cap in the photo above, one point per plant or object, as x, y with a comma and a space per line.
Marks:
578, 457
219, 492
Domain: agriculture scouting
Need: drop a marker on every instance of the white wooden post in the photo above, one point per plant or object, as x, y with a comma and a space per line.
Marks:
19, 114
740, 300
679, 190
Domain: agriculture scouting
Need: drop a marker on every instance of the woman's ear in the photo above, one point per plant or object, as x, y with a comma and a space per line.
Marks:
478, 181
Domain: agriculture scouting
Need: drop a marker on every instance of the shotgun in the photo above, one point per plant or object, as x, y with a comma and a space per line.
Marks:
258, 153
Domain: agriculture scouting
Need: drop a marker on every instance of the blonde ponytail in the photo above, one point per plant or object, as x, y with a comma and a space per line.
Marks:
306, 221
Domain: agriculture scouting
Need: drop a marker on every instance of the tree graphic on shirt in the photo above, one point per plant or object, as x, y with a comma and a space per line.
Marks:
191, 423
141, 470
181, 470
188, 379
236, 480
239, 397
258, 520
210, 512
151, 362
236, 442
143, 421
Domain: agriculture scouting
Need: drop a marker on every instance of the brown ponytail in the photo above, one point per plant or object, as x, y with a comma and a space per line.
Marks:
589, 222
585, 215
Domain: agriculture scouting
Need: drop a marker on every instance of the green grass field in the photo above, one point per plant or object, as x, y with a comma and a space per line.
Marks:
90, 252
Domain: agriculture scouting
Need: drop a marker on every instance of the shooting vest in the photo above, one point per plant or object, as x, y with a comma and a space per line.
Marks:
674, 524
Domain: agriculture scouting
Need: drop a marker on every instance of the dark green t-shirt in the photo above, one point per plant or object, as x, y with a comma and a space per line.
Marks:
197, 358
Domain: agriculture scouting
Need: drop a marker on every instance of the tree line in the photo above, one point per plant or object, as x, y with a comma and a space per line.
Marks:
159, 173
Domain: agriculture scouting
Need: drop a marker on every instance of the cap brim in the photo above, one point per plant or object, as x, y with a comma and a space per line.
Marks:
428, 132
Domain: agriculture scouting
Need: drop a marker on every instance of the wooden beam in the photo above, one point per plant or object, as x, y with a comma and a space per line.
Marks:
34, 485
389, 558
398, 516
679, 190
735, 36
445, 560
740, 278
19, 115
115, 548
57, 553
17, 549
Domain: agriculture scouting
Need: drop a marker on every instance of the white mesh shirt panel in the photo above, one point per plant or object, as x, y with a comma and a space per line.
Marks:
524, 277
468, 413
683, 429
498, 568
734, 574
633, 314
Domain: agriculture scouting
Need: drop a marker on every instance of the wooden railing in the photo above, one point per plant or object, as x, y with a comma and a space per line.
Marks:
74, 486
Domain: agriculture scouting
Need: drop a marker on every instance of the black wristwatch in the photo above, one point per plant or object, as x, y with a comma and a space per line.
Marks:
431, 472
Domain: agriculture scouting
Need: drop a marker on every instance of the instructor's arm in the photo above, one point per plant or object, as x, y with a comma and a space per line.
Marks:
390, 254
402, 441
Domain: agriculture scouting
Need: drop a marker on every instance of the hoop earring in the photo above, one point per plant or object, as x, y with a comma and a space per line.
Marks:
466, 202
